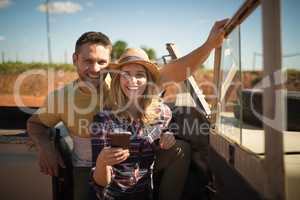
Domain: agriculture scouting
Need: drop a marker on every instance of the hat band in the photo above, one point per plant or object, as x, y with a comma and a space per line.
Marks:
130, 58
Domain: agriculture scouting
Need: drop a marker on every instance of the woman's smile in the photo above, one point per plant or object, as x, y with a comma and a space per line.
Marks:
133, 80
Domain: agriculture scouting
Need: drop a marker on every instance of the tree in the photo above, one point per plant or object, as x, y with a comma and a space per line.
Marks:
118, 48
150, 52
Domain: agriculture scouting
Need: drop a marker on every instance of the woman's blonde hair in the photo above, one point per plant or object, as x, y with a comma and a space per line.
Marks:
148, 104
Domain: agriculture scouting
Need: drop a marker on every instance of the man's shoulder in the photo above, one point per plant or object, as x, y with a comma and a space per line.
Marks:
67, 88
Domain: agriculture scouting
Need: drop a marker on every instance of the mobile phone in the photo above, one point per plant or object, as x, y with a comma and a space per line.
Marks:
120, 139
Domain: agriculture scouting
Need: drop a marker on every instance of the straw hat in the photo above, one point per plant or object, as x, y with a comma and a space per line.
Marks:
136, 56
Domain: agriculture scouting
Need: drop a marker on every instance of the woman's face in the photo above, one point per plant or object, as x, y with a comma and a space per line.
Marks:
133, 80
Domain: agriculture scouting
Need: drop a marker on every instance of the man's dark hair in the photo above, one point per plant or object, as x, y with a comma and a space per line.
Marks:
93, 38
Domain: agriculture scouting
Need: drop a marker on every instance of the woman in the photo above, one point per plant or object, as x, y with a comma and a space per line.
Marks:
134, 106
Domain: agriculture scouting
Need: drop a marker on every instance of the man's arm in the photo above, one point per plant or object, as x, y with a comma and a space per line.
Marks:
49, 158
38, 128
180, 69
38, 132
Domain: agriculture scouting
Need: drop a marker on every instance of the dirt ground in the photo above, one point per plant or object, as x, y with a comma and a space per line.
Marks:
35, 87
32, 88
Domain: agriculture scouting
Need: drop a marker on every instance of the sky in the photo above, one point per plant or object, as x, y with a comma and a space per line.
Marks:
151, 23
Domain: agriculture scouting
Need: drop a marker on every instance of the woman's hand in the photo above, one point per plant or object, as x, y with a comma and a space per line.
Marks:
111, 156
106, 158
167, 140
217, 33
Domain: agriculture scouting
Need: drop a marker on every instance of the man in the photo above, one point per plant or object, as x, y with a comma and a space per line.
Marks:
77, 103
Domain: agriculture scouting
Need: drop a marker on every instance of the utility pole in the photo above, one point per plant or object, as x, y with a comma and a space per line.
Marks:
254, 61
3, 56
48, 32
17, 56
66, 56
42, 56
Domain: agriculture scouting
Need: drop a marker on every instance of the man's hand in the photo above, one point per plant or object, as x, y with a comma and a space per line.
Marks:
216, 35
167, 140
111, 156
49, 160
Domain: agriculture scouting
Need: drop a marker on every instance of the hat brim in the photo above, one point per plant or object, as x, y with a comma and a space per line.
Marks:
151, 67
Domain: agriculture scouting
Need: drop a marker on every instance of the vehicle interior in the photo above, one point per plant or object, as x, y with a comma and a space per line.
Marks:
247, 148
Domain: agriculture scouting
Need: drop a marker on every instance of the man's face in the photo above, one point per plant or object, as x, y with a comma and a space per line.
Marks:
89, 61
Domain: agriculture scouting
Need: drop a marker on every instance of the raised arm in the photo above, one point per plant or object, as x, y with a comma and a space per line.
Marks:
179, 69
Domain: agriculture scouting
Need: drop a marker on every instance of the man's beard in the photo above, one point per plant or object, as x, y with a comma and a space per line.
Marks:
93, 82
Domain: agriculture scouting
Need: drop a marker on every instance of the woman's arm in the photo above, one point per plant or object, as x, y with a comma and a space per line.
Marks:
107, 158
102, 174
181, 68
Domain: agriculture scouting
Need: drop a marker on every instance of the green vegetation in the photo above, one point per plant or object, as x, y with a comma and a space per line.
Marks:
150, 52
19, 67
120, 46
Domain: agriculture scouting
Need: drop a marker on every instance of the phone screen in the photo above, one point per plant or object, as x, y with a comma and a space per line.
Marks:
120, 139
